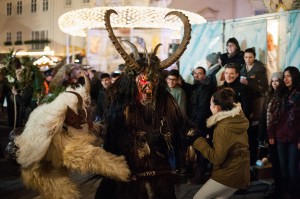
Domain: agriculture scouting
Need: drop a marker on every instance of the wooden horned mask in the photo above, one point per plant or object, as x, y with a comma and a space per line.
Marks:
147, 67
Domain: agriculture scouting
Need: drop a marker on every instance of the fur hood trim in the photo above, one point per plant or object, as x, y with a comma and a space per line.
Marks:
214, 119
43, 123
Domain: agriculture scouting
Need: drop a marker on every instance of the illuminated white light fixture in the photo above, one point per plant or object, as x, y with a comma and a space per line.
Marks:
77, 22
47, 52
38, 53
44, 61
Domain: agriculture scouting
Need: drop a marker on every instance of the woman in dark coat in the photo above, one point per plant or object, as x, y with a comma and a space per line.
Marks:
284, 129
275, 84
233, 54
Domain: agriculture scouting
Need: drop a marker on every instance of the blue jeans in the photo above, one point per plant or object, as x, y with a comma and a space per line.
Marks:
288, 161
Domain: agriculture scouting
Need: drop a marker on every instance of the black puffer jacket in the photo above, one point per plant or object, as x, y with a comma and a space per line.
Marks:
237, 58
242, 95
199, 105
257, 79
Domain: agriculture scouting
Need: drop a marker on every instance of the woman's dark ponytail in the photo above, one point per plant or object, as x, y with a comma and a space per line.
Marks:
224, 98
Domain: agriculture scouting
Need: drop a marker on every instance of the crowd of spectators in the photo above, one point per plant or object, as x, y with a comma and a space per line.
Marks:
272, 110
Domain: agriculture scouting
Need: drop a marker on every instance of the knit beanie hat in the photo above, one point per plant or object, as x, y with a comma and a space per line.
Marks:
234, 41
115, 74
212, 58
277, 74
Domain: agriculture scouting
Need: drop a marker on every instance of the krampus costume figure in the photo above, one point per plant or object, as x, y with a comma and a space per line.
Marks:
56, 140
144, 123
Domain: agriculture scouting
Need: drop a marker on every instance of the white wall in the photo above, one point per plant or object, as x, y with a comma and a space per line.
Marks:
227, 9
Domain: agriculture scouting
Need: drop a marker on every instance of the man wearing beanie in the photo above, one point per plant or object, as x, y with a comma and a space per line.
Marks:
233, 54
115, 75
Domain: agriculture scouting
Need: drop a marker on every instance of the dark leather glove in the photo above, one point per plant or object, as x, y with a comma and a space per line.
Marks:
191, 136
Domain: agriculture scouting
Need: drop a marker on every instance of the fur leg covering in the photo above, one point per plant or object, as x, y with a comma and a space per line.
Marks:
96, 160
49, 148
50, 183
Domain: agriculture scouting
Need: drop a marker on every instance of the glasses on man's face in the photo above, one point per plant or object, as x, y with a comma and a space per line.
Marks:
171, 79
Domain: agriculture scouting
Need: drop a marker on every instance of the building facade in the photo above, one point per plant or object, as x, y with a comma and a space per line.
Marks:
32, 25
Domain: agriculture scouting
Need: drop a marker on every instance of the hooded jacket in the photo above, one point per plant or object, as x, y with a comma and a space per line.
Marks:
230, 153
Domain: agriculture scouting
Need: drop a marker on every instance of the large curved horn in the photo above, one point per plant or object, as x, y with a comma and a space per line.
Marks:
130, 62
156, 49
185, 41
134, 49
147, 55
87, 84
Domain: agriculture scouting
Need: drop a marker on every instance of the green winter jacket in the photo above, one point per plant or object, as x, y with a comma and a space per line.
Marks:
230, 151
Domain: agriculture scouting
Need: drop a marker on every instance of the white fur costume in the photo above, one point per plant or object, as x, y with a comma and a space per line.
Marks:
48, 150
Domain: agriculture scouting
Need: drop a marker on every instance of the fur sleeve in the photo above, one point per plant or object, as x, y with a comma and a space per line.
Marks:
43, 123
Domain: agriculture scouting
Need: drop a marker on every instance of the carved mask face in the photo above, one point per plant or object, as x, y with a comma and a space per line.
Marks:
73, 119
146, 85
147, 81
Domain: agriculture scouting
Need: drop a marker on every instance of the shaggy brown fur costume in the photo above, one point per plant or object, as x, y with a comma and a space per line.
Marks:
48, 149
144, 123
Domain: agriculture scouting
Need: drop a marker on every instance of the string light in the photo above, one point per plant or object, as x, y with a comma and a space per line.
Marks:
78, 21
45, 63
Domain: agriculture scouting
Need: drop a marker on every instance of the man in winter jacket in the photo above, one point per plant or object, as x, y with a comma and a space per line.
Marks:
253, 74
198, 113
